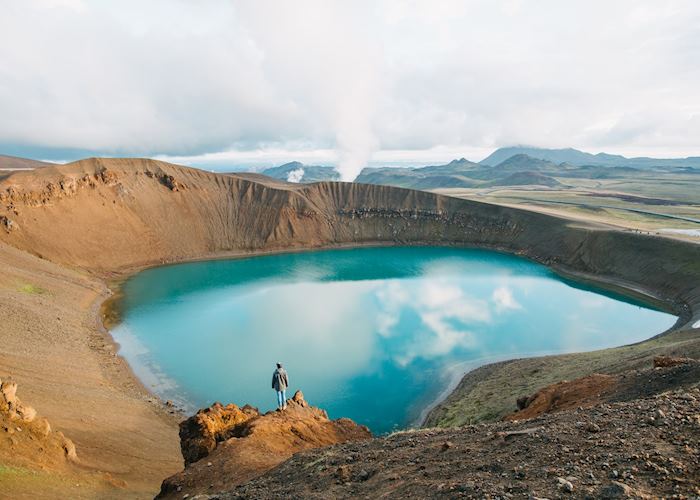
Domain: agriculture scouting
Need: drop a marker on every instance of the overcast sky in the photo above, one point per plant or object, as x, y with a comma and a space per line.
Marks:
347, 81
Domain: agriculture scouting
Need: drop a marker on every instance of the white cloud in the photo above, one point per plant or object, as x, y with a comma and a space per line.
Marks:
503, 299
445, 311
356, 79
392, 297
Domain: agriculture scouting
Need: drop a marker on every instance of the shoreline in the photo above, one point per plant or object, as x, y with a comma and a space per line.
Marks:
636, 293
67, 367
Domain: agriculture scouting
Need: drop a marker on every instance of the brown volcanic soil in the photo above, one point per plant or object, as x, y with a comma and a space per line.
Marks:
648, 448
65, 229
576, 439
597, 388
66, 368
642, 449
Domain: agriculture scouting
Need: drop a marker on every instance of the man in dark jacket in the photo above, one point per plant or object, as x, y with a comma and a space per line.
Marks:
280, 382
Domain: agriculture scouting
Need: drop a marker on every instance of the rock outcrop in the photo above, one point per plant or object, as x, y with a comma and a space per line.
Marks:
668, 361
26, 438
200, 434
564, 395
224, 446
667, 373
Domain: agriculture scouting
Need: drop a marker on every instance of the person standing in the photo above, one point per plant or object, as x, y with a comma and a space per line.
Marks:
280, 382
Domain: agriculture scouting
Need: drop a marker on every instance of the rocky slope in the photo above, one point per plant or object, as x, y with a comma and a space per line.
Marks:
28, 438
66, 367
37, 460
487, 393
642, 448
224, 446
636, 435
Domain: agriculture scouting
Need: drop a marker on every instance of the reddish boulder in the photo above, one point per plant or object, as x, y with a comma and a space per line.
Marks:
669, 361
200, 433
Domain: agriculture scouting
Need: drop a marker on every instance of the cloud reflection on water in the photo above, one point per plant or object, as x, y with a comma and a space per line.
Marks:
371, 334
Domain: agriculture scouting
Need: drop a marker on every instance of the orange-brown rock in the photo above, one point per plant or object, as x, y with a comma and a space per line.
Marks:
200, 433
26, 439
242, 444
669, 361
564, 395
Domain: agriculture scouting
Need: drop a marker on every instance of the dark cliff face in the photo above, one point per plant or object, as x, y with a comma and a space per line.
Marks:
107, 214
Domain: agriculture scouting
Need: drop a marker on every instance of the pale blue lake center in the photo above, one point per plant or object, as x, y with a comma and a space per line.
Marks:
373, 334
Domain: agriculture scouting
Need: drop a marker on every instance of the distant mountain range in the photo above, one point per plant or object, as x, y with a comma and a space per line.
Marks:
511, 166
581, 158
516, 171
516, 167
298, 172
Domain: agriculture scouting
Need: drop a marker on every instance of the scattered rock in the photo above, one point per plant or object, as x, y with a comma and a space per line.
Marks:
8, 224
343, 473
624, 459
592, 427
565, 485
620, 490
363, 475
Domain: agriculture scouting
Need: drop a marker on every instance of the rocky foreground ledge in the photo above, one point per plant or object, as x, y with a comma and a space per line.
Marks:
643, 449
635, 436
224, 446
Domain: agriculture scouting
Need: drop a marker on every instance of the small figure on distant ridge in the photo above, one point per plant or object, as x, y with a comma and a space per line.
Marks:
280, 382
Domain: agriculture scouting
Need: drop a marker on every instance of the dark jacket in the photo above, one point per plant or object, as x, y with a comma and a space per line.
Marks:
280, 382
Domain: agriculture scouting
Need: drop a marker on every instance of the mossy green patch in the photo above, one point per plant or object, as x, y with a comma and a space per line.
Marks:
12, 471
31, 289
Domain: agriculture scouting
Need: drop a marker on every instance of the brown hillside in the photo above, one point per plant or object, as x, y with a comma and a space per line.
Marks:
106, 214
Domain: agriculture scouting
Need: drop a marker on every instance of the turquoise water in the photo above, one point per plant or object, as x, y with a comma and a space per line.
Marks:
373, 334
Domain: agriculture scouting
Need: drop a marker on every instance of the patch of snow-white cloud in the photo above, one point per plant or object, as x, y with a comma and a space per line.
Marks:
357, 79
445, 311
503, 299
